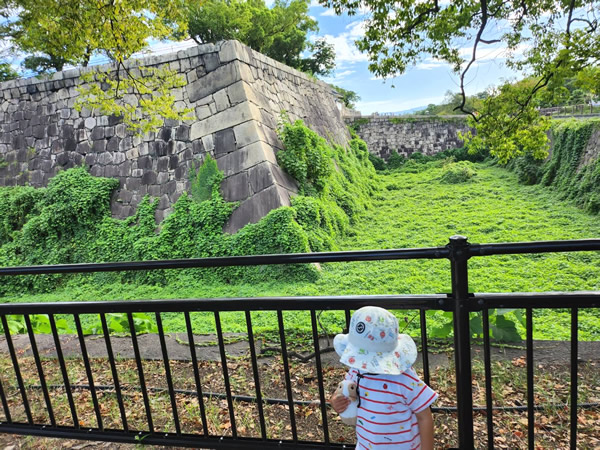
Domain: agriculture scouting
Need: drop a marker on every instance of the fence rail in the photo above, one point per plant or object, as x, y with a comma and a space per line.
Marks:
572, 110
460, 302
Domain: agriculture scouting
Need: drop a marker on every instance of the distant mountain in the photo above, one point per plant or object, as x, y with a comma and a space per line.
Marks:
408, 111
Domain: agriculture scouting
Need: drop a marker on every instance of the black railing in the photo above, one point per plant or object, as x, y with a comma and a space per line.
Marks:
22, 404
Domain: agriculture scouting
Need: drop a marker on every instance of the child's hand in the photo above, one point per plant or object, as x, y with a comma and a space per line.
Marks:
339, 403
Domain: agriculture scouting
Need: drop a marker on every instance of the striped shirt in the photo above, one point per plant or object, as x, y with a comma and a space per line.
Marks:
386, 417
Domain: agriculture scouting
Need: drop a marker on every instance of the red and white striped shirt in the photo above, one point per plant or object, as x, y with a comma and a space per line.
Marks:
386, 417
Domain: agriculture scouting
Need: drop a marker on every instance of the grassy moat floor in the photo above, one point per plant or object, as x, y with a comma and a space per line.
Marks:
411, 210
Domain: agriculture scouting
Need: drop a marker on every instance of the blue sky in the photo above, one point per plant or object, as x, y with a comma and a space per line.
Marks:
426, 83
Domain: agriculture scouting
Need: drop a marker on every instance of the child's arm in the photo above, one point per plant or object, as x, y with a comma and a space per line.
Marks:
425, 420
339, 403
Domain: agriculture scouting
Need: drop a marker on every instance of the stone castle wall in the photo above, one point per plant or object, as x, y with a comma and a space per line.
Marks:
409, 134
237, 95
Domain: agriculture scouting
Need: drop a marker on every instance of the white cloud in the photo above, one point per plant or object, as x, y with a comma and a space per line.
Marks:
345, 48
345, 73
430, 65
356, 28
338, 76
328, 13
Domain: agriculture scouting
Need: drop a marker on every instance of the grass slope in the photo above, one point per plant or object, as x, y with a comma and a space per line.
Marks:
416, 210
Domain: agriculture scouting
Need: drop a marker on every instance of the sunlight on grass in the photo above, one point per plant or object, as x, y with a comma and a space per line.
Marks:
414, 210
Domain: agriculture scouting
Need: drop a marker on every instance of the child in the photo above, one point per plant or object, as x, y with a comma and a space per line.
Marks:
393, 409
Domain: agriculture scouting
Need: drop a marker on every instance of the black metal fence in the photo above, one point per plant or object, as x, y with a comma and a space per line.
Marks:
21, 419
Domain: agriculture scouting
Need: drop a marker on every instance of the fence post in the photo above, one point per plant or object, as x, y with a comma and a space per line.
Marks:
459, 256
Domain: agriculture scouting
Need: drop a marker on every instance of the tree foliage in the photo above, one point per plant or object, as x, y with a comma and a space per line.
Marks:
76, 30
57, 32
548, 40
44, 64
280, 32
349, 98
7, 72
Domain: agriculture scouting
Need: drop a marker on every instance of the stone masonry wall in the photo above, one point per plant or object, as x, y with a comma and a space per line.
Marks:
409, 134
237, 95
592, 150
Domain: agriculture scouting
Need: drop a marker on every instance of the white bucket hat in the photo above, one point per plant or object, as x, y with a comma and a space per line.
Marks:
373, 343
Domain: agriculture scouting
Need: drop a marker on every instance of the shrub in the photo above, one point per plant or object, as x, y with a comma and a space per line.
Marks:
16, 204
205, 179
528, 169
564, 171
378, 163
306, 156
458, 172
395, 161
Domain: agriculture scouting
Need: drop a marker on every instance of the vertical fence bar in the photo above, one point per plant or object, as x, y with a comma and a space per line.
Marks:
459, 257
40, 369
313, 319
424, 347
5, 404
63, 369
113, 368
188, 325
138, 362
259, 402
225, 374
15, 362
574, 357
347, 314
487, 362
88, 371
163, 347
530, 399
286, 370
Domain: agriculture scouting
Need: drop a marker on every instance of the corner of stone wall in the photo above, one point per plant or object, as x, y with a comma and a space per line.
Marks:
237, 95
241, 135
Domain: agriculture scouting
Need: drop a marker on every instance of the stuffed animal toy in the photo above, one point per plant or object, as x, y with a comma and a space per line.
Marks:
347, 388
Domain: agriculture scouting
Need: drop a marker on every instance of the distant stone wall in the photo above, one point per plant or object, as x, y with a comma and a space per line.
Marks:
237, 95
409, 134
592, 150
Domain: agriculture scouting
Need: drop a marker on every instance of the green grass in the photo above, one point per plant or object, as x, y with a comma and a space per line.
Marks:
414, 210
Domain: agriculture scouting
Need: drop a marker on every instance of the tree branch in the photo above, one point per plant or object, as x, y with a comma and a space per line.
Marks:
484, 19
407, 30
592, 25
491, 41
570, 20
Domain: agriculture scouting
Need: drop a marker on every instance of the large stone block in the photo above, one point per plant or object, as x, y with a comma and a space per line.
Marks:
236, 188
234, 50
256, 207
261, 177
243, 159
214, 81
226, 119
247, 133
224, 141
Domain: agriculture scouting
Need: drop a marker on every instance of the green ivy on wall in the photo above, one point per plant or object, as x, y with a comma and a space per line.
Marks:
70, 220
564, 171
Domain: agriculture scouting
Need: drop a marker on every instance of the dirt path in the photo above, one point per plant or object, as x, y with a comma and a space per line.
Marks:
545, 352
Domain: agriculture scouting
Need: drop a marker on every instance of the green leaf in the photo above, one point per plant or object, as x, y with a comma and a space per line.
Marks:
504, 330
